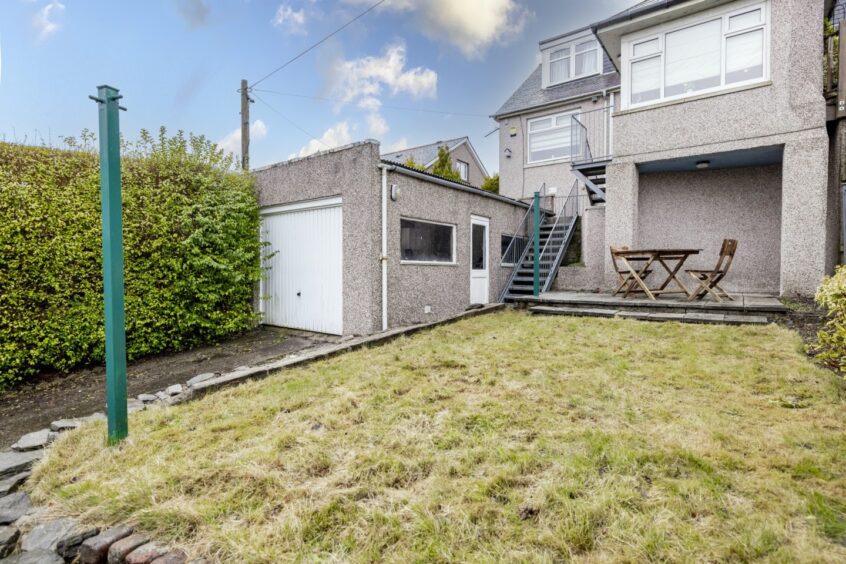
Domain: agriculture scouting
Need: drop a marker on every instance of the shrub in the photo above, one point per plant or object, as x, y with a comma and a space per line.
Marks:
831, 339
191, 251
491, 184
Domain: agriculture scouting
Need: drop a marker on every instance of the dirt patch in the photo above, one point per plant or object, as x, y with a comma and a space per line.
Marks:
55, 396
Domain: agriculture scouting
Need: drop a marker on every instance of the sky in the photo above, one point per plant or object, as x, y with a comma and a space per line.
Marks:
408, 73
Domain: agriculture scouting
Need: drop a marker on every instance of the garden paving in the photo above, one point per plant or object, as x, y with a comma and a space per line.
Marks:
55, 396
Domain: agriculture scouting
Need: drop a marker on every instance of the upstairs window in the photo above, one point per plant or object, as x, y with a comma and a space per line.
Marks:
707, 55
463, 170
550, 137
569, 62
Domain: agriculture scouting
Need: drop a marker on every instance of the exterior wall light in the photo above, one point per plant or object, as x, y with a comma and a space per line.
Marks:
702, 165
508, 153
394, 192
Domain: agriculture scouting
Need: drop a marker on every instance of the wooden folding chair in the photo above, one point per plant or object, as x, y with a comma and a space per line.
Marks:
709, 280
628, 284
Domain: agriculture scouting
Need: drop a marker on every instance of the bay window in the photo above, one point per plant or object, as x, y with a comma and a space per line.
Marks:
550, 137
702, 56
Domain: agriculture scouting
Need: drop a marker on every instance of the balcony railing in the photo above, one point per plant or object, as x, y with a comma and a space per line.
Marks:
591, 135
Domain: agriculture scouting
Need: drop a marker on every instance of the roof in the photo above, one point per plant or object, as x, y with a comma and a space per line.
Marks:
424, 154
638, 9
450, 183
531, 94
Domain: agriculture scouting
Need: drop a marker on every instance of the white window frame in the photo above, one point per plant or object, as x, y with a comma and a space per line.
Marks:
555, 116
466, 176
660, 33
570, 46
453, 251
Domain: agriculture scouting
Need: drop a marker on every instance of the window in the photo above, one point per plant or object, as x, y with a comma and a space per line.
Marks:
703, 56
572, 61
511, 253
478, 238
550, 137
463, 170
424, 241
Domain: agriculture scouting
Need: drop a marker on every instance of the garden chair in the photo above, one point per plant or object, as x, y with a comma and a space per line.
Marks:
709, 280
628, 284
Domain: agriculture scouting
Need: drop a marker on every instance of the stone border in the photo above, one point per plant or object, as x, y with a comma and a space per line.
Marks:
64, 539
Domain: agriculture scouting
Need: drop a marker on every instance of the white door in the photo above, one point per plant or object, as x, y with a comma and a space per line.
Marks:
303, 286
479, 263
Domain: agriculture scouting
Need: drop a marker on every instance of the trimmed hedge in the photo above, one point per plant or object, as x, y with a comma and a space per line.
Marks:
191, 251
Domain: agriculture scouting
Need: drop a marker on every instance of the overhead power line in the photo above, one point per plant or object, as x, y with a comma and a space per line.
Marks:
389, 106
315, 45
289, 120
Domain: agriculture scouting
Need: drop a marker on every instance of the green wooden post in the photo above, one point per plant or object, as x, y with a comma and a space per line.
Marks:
536, 239
110, 197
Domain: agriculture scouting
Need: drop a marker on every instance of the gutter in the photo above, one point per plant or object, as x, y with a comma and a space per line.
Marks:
450, 184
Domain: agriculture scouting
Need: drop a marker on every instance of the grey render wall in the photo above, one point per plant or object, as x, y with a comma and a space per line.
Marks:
700, 209
590, 274
446, 288
475, 176
519, 179
350, 172
789, 111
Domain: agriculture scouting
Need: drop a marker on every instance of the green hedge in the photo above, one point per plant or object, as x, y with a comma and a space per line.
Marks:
191, 251
831, 339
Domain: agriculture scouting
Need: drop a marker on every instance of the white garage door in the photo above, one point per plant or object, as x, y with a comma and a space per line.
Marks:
303, 287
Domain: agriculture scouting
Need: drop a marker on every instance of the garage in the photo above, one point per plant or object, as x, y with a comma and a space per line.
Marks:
303, 286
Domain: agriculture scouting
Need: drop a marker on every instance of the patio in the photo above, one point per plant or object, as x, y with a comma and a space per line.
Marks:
755, 309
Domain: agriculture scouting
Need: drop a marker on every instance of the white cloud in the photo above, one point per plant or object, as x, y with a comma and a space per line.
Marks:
42, 22
398, 145
470, 25
377, 124
333, 137
289, 19
363, 80
365, 77
231, 143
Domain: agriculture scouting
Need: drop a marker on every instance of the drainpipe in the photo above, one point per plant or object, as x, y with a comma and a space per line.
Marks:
383, 259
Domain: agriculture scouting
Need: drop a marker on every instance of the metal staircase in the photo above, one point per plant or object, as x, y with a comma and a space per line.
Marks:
554, 235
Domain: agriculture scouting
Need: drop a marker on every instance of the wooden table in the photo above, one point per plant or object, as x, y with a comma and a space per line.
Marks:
648, 257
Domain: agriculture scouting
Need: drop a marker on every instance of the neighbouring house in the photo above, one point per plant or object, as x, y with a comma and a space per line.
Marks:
360, 244
464, 158
679, 123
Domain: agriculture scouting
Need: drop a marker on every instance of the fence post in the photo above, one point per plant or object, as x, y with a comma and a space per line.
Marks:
536, 239
110, 197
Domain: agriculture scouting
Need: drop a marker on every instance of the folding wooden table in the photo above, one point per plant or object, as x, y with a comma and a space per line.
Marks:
637, 274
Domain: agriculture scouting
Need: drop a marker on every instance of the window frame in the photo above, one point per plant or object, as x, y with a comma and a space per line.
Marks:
570, 47
724, 14
553, 117
453, 249
458, 163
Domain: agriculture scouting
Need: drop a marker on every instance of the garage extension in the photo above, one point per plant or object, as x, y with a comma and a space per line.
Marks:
360, 244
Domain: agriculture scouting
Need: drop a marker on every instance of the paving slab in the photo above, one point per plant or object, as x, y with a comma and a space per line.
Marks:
8, 540
46, 536
63, 425
12, 483
12, 462
120, 549
13, 507
35, 557
35, 440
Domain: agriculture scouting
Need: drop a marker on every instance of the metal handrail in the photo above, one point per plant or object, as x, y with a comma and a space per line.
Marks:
598, 122
572, 196
522, 257
519, 230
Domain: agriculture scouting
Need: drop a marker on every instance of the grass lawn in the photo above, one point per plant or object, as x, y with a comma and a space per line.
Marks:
503, 437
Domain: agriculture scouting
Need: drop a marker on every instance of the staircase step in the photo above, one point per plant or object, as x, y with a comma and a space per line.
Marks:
707, 318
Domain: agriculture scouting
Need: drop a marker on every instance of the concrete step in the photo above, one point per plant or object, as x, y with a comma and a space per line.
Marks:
693, 317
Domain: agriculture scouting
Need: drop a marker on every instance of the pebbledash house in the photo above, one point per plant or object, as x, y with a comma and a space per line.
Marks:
681, 123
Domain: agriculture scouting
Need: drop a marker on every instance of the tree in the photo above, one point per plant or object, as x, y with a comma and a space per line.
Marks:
491, 184
443, 166
411, 163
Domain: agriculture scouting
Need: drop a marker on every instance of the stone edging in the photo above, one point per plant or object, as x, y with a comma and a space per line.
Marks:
60, 540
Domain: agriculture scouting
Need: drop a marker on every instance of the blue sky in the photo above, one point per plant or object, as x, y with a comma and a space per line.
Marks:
178, 63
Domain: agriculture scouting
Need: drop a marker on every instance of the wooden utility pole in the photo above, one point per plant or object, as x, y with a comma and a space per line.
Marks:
245, 126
